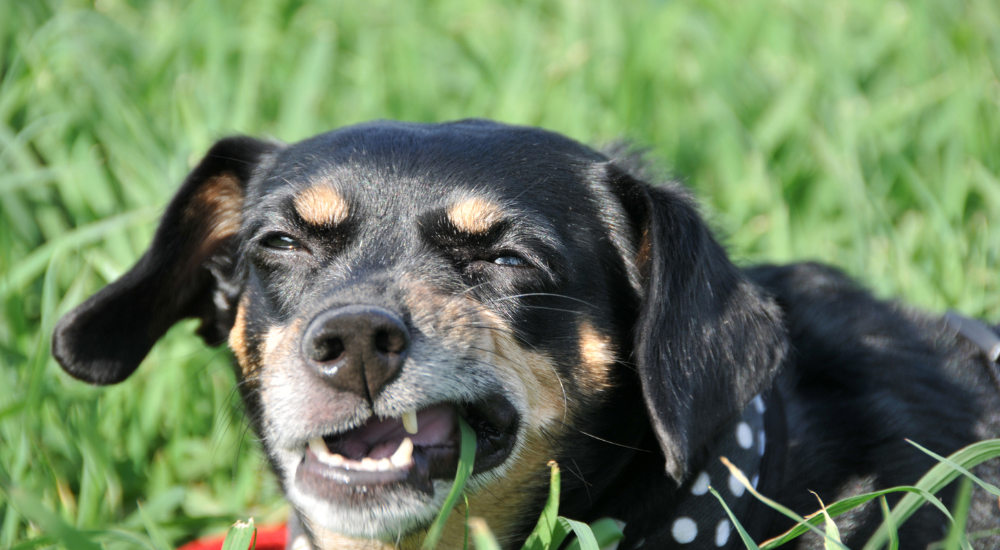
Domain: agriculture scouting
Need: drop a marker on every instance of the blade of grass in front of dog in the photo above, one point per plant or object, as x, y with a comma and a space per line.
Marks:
832, 533
738, 474
890, 524
466, 458
605, 530
241, 536
933, 481
847, 505
961, 512
744, 536
482, 535
585, 539
465, 539
155, 535
541, 537
991, 489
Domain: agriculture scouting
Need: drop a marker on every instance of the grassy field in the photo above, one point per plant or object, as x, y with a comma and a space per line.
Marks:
864, 133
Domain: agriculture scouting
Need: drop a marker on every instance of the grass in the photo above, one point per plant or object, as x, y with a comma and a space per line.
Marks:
863, 133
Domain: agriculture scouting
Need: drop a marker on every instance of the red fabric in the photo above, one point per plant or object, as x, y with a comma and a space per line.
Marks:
272, 537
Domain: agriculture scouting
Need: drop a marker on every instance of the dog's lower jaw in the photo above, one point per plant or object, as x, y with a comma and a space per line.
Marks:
389, 519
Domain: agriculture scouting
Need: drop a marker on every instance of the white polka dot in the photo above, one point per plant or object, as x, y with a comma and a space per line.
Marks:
760, 442
722, 533
754, 481
735, 487
744, 435
701, 484
300, 543
684, 530
758, 403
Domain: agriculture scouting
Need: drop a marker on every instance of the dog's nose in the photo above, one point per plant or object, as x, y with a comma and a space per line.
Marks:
357, 349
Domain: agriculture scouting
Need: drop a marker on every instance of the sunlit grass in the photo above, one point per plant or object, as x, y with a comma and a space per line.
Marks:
864, 133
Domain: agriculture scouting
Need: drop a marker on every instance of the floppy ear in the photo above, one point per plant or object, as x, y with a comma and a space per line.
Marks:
183, 274
707, 340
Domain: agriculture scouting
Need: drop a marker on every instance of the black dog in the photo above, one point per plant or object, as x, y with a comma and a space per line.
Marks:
377, 282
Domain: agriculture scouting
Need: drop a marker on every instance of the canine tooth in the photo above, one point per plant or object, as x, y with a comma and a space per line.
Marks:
410, 422
323, 453
383, 465
403, 454
368, 464
318, 447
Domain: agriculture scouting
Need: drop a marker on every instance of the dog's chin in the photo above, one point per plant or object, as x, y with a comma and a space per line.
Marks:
381, 480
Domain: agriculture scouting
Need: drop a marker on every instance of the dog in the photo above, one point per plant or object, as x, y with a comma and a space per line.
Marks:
378, 282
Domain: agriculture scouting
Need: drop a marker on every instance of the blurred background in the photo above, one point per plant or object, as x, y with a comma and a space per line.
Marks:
863, 133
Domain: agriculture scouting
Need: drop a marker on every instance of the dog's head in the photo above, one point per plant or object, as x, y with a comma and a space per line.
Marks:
391, 276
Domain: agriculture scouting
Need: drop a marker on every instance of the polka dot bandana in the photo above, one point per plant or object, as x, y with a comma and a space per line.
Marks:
701, 522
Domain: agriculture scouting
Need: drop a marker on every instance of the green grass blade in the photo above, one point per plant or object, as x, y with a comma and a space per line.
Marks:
541, 537
890, 524
933, 481
50, 522
744, 536
606, 532
465, 538
585, 539
963, 500
159, 541
482, 535
32, 265
991, 489
465, 462
832, 533
847, 505
241, 536
776, 506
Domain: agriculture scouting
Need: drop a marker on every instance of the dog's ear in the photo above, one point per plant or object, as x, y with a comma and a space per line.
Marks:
104, 339
706, 339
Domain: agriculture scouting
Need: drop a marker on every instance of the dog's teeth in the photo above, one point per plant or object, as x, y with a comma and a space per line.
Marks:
410, 421
403, 454
369, 464
323, 454
318, 447
383, 465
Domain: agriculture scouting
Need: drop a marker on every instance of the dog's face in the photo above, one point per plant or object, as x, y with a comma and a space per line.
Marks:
378, 282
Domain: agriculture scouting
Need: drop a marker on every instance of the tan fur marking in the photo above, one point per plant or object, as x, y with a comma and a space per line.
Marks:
598, 355
322, 205
238, 334
474, 215
218, 205
272, 339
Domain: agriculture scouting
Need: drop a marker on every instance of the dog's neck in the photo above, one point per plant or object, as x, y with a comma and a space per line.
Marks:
700, 520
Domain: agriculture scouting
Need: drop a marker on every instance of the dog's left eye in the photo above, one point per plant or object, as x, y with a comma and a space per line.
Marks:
510, 261
281, 242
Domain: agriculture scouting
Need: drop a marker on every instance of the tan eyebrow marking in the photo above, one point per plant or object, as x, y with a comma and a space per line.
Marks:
474, 215
321, 205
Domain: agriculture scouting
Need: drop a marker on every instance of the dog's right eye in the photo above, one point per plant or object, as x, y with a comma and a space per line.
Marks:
281, 241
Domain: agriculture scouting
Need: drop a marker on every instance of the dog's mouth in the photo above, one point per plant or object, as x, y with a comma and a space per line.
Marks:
412, 450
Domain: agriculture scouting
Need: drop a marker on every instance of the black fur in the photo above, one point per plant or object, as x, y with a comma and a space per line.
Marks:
848, 377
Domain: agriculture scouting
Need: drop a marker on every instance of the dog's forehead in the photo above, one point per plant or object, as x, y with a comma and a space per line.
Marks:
473, 169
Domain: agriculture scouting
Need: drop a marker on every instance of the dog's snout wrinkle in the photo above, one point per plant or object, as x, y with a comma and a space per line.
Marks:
358, 348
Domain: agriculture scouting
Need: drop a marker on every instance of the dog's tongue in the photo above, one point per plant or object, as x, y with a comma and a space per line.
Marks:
380, 438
